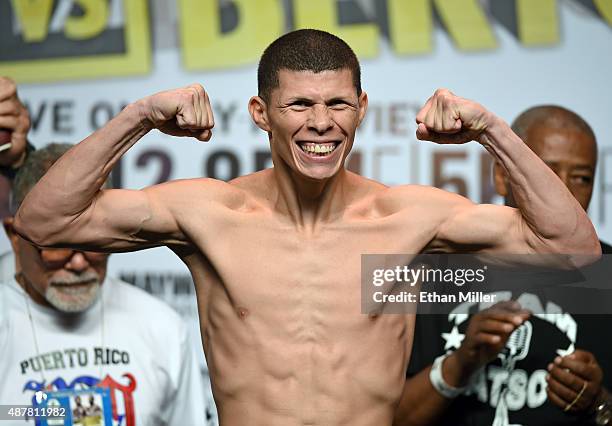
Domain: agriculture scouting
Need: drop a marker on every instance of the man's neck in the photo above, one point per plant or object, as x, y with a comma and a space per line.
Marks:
309, 202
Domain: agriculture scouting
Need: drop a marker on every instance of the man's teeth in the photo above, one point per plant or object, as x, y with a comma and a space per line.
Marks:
316, 148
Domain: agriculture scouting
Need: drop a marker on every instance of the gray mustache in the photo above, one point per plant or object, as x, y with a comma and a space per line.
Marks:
88, 277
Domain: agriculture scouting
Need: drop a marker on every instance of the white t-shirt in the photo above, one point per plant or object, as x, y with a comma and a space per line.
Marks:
141, 353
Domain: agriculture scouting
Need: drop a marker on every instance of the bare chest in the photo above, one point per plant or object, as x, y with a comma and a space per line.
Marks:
258, 259
292, 301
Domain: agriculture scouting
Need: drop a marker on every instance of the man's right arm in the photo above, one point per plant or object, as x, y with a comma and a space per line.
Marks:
67, 207
421, 404
486, 335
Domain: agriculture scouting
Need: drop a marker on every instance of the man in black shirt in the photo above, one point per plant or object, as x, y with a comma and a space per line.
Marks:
563, 363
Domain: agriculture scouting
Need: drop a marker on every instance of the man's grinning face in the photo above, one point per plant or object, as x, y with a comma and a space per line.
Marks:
313, 118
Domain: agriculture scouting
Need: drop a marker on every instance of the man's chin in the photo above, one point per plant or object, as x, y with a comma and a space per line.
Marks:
72, 299
318, 172
319, 177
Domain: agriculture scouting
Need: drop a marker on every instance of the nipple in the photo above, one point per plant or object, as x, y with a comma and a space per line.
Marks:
243, 312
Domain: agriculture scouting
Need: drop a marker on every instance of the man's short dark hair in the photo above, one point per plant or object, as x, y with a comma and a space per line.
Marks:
34, 167
551, 116
305, 50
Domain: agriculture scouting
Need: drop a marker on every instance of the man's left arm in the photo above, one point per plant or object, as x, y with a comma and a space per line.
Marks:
548, 218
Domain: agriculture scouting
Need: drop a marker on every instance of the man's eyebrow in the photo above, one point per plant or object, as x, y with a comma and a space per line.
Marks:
340, 100
306, 100
584, 167
299, 99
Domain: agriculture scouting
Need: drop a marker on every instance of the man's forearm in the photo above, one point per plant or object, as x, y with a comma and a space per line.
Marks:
421, 404
71, 184
552, 213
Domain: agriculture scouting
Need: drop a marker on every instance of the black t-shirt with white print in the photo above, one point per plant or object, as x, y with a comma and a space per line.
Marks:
514, 392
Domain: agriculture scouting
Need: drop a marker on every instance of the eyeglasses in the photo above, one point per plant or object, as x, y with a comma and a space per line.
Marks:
57, 258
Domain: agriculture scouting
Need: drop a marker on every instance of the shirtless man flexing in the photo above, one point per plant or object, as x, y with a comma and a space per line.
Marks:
275, 255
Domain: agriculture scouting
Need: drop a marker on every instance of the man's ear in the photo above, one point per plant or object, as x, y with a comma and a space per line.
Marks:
363, 106
7, 222
500, 179
259, 113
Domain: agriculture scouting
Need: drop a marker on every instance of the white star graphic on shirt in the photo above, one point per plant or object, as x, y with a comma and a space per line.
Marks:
453, 339
457, 318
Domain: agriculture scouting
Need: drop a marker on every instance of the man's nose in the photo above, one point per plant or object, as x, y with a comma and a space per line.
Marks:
77, 263
320, 119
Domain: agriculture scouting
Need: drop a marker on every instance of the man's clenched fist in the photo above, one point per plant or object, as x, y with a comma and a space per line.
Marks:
446, 118
179, 112
14, 124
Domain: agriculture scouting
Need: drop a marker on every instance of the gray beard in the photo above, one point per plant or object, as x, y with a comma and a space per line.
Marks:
79, 298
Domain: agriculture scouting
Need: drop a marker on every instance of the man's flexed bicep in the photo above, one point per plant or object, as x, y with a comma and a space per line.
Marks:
496, 230
116, 220
548, 219
470, 227
67, 205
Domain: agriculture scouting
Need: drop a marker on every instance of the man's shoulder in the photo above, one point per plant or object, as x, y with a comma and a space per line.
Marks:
425, 192
404, 197
203, 192
253, 183
194, 186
